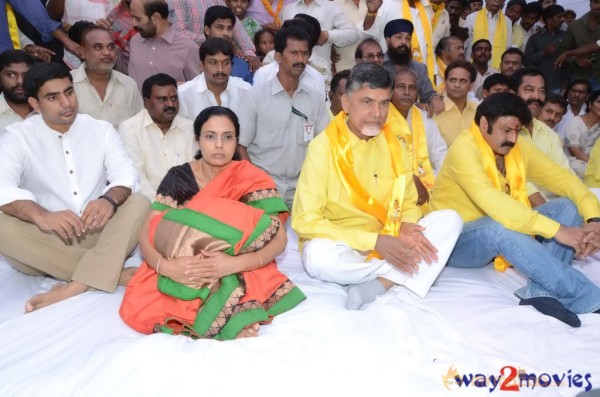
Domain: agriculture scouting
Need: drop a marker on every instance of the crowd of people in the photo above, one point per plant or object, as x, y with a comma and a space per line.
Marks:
396, 137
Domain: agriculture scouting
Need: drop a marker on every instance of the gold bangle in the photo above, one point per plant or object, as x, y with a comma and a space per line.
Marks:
259, 258
158, 264
372, 14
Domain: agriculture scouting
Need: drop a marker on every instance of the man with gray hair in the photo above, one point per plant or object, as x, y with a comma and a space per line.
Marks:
355, 209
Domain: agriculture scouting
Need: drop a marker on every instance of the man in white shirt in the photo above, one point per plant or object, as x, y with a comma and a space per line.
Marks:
65, 193
282, 117
13, 100
215, 86
104, 93
157, 138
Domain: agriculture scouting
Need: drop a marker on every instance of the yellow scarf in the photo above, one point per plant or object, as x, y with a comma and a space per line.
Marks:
416, 143
437, 11
441, 71
481, 31
515, 177
338, 135
13, 29
416, 47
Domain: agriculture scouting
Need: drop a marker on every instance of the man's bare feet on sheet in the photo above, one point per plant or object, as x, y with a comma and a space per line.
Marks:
126, 275
57, 293
249, 332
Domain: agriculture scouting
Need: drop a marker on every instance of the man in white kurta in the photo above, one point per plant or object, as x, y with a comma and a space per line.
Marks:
158, 138
65, 193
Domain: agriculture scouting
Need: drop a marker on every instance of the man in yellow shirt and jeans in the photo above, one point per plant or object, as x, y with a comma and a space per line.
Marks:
483, 178
355, 208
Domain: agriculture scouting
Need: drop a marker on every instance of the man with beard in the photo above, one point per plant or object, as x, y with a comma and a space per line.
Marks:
355, 209
398, 38
157, 138
159, 47
281, 117
14, 106
103, 93
483, 178
66, 185
481, 54
459, 110
578, 93
455, 10
492, 25
448, 50
214, 86
524, 29
511, 61
530, 84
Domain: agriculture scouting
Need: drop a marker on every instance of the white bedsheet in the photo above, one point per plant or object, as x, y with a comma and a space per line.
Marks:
397, 346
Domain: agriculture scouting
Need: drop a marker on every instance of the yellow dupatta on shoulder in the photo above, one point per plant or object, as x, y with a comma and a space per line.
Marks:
390, 217
416, 142
437, 12
13, 29
481, 31
515, 177
440, 88
427, 31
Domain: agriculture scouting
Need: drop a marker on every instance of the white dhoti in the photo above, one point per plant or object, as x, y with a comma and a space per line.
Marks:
336, 262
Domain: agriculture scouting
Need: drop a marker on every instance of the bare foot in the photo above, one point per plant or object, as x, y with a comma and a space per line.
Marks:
126, 275
249, 332
57, 293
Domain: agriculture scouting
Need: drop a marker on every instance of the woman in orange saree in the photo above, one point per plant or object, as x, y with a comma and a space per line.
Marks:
210, 245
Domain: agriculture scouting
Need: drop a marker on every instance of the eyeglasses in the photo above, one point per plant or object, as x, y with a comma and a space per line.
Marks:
372, 57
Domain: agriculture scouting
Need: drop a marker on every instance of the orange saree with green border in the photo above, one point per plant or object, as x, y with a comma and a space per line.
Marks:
236, 213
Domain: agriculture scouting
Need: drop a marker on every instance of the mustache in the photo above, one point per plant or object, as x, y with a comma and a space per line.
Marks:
533, 100
508, 144
299, 64
219, 75
169, 109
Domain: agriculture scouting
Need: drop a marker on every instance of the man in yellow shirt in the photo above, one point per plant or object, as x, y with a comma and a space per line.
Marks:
355, 208
459, 110
483, 178
530, 84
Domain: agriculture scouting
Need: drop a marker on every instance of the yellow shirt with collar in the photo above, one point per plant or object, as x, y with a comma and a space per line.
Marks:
591, 177
322, 207
451, 121
548, 141
463, 185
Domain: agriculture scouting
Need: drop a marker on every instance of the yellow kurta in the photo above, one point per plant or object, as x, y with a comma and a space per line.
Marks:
451, 121
462, 185
592, 172
548, 141
323, 209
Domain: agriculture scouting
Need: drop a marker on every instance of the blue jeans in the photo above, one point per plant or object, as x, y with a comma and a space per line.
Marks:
546, 262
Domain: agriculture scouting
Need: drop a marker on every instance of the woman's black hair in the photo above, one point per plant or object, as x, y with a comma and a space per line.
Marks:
213, 111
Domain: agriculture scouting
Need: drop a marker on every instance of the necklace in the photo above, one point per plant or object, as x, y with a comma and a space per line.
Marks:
274, 14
